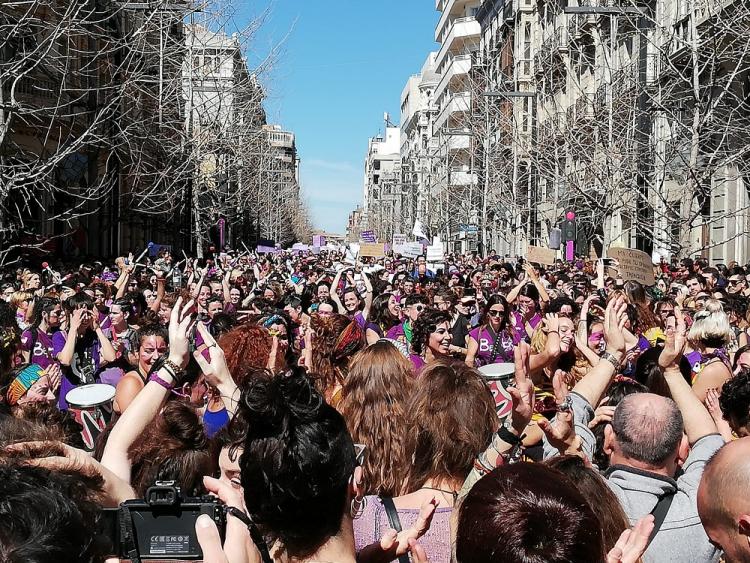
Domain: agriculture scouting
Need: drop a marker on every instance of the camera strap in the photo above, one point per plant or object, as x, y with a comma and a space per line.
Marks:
127, 536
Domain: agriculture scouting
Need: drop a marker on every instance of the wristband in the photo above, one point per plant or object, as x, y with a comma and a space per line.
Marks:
611, 359
508, 437
156, 379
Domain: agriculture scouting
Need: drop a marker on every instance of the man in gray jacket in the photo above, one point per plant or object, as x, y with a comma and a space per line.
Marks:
651, 438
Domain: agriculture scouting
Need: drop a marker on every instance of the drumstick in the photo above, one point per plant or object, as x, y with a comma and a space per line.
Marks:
143, 254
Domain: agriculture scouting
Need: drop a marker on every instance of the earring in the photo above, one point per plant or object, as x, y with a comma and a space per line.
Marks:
358, 507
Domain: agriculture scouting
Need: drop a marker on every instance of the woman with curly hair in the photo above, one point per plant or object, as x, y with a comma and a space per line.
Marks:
332, 341
374, 404
247, 348
431, 338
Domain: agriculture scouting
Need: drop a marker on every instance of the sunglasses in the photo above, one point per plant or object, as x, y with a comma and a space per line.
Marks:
495, 313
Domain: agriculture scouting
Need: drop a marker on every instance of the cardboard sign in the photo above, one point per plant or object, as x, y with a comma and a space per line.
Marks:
435, 252
633, 265
371, 250
410, 250
541, 255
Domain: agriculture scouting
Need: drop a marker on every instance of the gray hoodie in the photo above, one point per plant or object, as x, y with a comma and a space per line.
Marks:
681, 536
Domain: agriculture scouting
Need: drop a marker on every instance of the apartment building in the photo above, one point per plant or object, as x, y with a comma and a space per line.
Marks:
458, 34
604, 114
384, 194
418, 166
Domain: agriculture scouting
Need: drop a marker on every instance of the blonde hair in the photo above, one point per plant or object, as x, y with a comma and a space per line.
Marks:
711, 326
19, 297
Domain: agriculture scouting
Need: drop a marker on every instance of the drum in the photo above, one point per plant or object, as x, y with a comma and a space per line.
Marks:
498, 376
92, 407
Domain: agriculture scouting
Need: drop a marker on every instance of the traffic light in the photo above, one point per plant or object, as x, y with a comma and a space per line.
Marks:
569, 225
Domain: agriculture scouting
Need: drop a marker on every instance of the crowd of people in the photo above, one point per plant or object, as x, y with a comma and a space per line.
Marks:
482, 410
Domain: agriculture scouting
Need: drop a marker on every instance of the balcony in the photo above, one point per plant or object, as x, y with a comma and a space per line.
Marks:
459, 143
458, 104
461, 176
461, 32
458, 66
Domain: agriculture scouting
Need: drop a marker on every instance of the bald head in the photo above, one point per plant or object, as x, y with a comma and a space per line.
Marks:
648, 428
724, 499
725, 487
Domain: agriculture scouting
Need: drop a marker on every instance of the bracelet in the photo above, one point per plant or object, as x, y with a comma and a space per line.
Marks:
174, 370
611, 359
156, 379
508, 437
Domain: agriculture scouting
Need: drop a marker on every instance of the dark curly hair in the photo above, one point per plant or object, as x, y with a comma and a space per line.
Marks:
735, 400
49, 516
296, 464
425, 325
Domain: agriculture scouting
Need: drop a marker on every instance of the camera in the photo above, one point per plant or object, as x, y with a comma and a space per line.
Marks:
162, 525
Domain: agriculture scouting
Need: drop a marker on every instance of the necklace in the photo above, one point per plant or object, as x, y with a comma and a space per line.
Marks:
453, 494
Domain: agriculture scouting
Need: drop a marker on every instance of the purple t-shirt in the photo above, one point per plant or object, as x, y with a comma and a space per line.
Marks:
43, 353
364, 324
84, 366
486, 340
418, 363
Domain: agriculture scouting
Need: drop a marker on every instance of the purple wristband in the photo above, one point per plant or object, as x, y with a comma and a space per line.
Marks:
156, 379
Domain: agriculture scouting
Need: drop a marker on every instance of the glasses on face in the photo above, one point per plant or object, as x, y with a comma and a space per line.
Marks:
496, 312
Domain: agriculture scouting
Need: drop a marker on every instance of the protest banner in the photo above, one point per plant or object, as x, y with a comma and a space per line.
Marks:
398, 243
371, 250
435, 252
319, 241
633, 265
541, 255
368, 236
411, 250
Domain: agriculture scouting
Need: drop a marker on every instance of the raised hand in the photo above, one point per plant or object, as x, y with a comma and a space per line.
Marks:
180, 323
675, 344
215, 368
615, 316
523, 392
393, 545
560, 433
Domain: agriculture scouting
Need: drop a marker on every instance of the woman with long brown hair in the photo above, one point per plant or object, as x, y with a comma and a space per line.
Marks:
374, 404
450, 420
332, 341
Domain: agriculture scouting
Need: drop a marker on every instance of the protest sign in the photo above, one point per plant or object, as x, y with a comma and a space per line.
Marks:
411, 250
435, 252
541, 255
633, 265
398, 243
319, 241
368, 236
371, 250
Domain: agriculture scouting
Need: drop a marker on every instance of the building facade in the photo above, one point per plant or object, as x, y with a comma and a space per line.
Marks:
384, 194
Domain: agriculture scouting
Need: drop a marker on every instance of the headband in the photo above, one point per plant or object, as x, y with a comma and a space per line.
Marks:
23, 382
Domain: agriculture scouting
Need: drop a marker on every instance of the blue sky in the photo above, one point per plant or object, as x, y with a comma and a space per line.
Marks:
344, 63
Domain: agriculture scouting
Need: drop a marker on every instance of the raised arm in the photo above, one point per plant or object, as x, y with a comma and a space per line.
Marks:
65, 356
216, 371
594, 384
149, 401
513, 293
543, 295
161, 285
225, 285
698, 421
368, 296
335, 293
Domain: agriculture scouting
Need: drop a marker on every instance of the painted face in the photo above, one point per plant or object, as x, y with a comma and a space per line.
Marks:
40, 392
596, 338
234, 296
351, 303
567, 336
149, 351
440, 339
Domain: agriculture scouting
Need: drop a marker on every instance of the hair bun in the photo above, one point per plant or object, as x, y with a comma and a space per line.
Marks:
714, 306
274, 405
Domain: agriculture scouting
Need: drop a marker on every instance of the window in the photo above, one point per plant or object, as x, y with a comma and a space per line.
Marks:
376, 165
